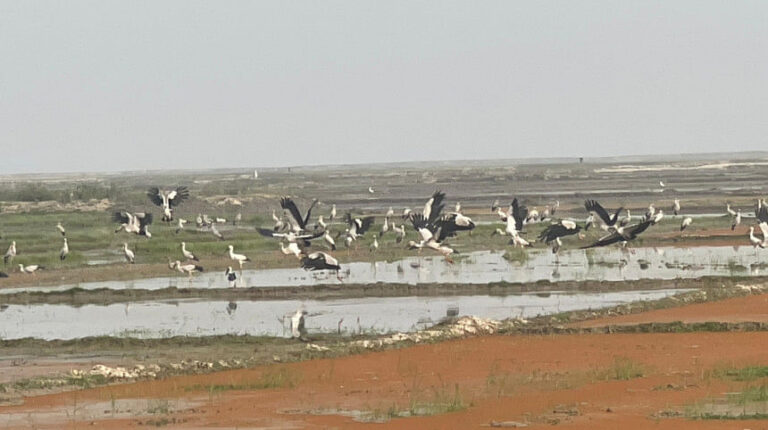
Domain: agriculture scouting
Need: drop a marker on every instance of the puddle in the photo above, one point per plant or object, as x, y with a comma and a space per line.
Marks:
204, 318
602, 264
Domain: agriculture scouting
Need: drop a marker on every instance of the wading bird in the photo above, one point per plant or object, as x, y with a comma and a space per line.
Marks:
31, 269
240, 258
180, 225
61, 229
167, 200
231, 277
736, 220
188, 255
189, 269
64, 250
129, 255
686, 222
10, 254
676, 207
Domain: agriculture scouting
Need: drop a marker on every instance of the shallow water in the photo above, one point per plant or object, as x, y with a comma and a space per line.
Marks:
201, 318
607, 264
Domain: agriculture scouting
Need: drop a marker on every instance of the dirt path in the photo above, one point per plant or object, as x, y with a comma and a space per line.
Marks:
539, 380
753, 308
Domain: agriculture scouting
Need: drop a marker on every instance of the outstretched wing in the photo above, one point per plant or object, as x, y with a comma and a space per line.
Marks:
594, 206
177, 196
309, 212
365, 224
145, 220
434, 207
553, 231
121, 217
288, 204
155, 196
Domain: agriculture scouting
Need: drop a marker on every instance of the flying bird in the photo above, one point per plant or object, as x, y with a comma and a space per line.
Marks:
629, 233
609, 221
300, 222
167, 200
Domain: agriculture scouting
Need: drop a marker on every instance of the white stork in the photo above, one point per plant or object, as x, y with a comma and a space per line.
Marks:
240, 258
329, 240
129, 255
31, 269
189, 269
375, 244
686, 222
188, 255
167, 200
333, 213
676, 207
231, 277
61, 229
10, 254
64, 250
180, 225
292, 249
736, 220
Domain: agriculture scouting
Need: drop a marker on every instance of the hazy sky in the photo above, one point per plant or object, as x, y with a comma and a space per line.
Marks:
113, 85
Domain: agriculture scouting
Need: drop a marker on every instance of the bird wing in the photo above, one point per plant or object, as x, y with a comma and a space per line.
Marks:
155, 196
594, 206
606, 240
435, 208
290, 205
552, 232
177, 196
634, 230
762, 214
519, 213
309, 212
366, 224
144, 220
121, 217
269, 232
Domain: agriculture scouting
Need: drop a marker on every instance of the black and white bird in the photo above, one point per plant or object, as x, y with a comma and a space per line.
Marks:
188, 255
298, 331
650, 213
10, 254
627, 234
736, 220
320, 261
279, 223
300, 222
610, 222
64, 250
384, 227
31, 269
432, 233
189, 269
292, 237
167, 200
399, 232
357, 227
240, 258
180, 225
128, 254
61, 229
756, 243
329, 240
676, 207
686, 222
333, 213
293, 248
136, 223
558, 230
231, 277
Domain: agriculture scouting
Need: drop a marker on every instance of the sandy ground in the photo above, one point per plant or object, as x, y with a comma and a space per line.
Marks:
562, 380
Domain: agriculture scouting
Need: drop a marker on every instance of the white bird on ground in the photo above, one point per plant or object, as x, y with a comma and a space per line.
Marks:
215, 231
333, 213
240, 258
180, 225
231, 277
657, 217
729, 210
32, 268
10, 254
407, 213
390, 213
297, 324
399, 231
384, 227
686, 222
61, 229
129, 255
64, 250
457, 208
329, 240
189, 269
756, 243
238, 218
370, 190
736, 220
188, 255
676, 207
375, 244
321, 222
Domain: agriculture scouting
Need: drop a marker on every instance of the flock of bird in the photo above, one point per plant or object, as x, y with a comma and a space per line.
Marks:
434, 226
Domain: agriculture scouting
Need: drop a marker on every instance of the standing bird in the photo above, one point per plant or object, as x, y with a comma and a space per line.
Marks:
167, 200
215, 231
736, 220
10, 254
129, 255
231, 277
676, 207
240, 258
329, 240
333, 213
189, 269
457, 208
686, 222
756, 243
375, 244
180, 225
188, 255
298, 330
390, 213
61, 229
321, 223
64, 250
238, 218
384, 227
400, 232
626, 220
730, 210
31, 269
